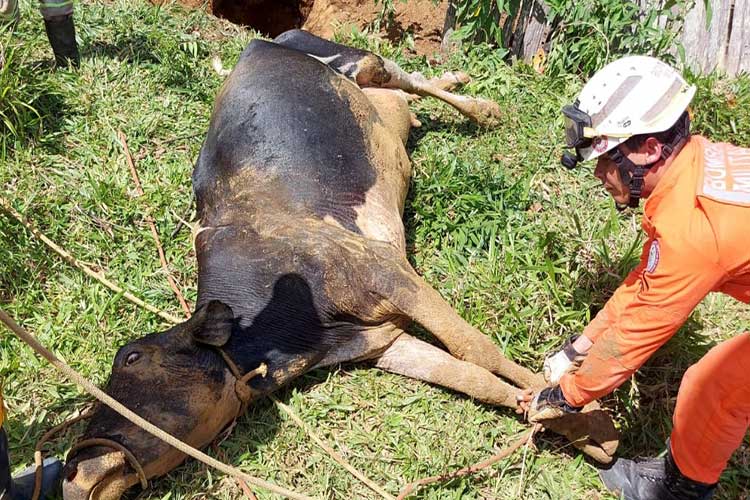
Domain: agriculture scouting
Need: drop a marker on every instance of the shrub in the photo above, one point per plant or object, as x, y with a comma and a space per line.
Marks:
590, 33
585, 34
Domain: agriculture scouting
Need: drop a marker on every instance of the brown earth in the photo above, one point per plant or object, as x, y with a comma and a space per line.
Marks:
423, 19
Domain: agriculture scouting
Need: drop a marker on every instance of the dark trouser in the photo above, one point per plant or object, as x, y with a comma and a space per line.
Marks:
4, 462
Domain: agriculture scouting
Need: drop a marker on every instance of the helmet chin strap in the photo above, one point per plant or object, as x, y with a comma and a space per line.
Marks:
632, 174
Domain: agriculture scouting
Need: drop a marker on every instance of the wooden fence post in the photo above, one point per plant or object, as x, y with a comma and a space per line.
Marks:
705, 48
738, 53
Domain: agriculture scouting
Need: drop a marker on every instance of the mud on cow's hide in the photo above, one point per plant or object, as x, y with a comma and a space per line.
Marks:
300, 188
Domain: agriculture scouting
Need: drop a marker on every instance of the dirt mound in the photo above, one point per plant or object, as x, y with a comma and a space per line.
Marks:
423, 19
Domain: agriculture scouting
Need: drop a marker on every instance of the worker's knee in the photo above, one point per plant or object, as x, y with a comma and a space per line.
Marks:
695, 379
724, 368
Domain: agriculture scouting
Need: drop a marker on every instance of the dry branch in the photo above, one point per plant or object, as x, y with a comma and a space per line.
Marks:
98, 276
152, 225
246, 490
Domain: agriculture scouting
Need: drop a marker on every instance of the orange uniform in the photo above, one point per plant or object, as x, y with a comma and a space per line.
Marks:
697, 221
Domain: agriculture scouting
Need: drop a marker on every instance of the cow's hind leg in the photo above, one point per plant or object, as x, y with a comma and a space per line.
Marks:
362, 66
370, 70
393, 108
481, 111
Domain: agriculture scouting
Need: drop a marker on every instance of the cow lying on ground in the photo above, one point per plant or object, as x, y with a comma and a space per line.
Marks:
300, 189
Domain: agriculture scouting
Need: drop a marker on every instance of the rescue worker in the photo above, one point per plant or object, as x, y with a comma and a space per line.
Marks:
632, 117
58, 23
21, 487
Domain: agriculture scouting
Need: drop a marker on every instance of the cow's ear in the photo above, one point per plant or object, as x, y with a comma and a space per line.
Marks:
212, 323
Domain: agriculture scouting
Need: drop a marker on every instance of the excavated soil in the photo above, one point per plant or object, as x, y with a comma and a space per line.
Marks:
423, 19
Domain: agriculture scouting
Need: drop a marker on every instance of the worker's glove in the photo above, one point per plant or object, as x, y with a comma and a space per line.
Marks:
562, 362
550, 403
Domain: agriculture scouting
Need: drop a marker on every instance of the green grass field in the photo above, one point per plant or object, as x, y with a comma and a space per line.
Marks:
523, 249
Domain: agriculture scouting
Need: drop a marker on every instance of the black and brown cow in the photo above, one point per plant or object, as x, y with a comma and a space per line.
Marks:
300, 188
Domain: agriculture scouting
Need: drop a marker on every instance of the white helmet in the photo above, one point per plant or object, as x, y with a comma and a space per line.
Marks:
630, 96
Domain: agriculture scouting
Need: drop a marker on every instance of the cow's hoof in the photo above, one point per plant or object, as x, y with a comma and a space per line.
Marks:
485, 113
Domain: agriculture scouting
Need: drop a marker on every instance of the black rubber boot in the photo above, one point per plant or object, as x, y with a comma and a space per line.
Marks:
21, 487
61, 33
4, 465
653, 479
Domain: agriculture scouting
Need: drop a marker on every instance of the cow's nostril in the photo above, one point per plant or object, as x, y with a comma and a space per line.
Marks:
72, 475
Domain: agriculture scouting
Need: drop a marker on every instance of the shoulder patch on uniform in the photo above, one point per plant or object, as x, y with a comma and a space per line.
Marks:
726, 174
653, 257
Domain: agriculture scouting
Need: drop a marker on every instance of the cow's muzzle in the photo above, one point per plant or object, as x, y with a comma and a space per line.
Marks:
100, 469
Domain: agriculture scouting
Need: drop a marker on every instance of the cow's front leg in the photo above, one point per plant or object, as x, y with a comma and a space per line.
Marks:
383, 288
419, 360
420, 302
592, 432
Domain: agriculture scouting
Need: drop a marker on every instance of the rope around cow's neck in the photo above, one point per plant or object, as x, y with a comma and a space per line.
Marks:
243, 391
136, 419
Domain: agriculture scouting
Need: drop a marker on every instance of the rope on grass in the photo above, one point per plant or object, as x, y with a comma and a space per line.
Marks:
368, 482
152, 225
472, 469
98, 276
138, 420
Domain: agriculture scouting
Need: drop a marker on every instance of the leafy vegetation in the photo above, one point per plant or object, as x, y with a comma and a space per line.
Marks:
588, 34
585, 34
18, 97
522, 249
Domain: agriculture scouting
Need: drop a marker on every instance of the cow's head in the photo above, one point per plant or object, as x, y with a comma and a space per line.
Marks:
175, 379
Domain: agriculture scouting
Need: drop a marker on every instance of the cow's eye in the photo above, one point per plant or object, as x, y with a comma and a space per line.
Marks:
132, 358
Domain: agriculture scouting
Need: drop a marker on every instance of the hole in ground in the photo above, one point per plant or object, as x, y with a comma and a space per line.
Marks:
270, 17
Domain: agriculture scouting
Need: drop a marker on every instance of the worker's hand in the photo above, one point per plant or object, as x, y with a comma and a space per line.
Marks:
549, 403
564, 361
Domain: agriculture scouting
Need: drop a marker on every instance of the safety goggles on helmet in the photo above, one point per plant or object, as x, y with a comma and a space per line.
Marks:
578, 130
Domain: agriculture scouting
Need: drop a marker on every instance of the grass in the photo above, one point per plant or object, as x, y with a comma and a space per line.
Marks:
522, 249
